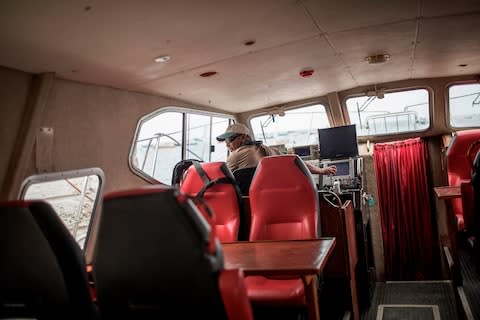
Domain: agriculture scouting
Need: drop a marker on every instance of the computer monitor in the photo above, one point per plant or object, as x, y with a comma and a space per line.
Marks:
338, 142
343, 168
302, 151
349, 172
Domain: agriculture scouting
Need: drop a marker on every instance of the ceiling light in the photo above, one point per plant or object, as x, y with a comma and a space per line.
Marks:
162, 58
378, 58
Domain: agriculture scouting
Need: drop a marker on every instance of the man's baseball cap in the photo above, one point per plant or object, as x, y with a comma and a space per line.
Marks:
234, 129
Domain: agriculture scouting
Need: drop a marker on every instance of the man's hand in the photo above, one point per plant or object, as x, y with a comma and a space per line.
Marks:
330, 170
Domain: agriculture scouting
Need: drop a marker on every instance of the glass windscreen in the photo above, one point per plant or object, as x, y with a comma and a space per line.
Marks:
290, 128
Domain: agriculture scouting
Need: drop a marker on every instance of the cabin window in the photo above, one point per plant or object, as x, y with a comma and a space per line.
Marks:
166, 137
73, 194
464, 105
383, 113
295, 127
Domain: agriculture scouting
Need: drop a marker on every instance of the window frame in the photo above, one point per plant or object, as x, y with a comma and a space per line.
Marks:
290, 107
184, 111
447, 103
90, 237
430, 92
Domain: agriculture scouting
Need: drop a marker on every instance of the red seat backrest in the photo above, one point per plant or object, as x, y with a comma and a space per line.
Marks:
283, 200
284, 206
459, 164
223, 198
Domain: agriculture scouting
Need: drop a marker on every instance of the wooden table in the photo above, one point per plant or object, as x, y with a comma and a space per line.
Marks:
448, 192
303, 258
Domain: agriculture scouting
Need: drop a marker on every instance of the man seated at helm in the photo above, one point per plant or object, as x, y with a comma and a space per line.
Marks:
246, 152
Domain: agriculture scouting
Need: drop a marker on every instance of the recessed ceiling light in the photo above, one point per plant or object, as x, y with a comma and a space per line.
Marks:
162, 58
249, 42
378, 58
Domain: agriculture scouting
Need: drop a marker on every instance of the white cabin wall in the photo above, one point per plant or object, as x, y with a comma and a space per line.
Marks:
93, 126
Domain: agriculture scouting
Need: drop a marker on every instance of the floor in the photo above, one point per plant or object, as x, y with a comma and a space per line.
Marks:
413, 300
470, 277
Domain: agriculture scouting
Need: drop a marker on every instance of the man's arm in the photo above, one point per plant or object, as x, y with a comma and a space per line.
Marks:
316, 170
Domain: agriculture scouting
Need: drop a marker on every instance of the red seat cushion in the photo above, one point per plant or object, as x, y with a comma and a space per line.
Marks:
284, 292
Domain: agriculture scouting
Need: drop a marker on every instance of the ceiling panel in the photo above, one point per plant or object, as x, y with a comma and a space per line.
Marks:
261, 79
432, 8
114, 43
444, 44
338, 15
125, 36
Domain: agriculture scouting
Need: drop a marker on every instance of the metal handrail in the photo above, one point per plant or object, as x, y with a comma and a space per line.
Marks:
157, 147
396, 116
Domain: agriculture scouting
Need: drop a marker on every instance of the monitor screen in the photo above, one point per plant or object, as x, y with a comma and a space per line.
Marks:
303, 151
343, 168
338, 142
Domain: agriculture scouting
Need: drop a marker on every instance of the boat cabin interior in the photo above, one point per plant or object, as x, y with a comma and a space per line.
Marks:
114, 106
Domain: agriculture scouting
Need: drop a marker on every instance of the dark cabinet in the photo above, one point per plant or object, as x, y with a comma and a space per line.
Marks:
347, 285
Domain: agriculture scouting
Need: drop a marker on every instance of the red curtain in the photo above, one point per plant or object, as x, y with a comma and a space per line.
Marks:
408, 237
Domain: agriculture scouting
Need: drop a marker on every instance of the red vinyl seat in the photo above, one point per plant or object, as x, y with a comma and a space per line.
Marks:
154, 257
284, 206
460, 156
214, 183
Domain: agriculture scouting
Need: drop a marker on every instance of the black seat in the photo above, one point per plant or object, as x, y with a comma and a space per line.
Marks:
476, 172
475, 181
476, 192
155, 256
179, 170
244, 178
42, 268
